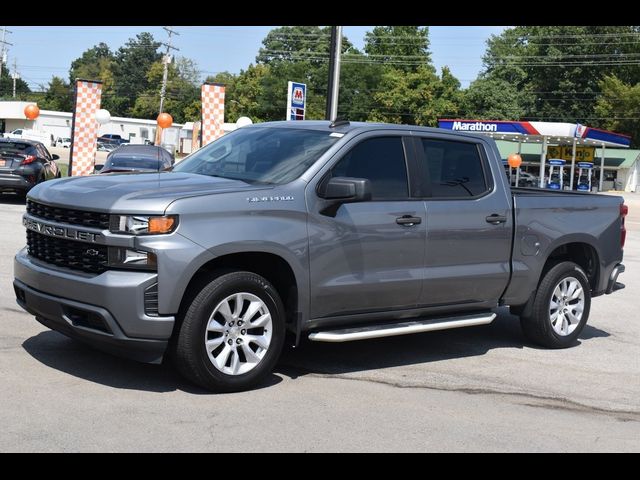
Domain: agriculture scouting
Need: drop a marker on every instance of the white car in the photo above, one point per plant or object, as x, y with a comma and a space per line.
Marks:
63, 142
27, 134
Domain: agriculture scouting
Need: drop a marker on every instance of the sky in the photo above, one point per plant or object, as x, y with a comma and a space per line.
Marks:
42, 52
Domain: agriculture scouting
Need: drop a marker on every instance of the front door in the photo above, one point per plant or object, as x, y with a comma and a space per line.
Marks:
366, 257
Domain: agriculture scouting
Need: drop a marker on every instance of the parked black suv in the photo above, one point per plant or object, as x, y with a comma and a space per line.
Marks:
25, 163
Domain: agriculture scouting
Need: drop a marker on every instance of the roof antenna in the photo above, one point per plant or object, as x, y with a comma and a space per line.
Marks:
339, 122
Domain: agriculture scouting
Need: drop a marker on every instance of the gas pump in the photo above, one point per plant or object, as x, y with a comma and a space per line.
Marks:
556, 179
584, 176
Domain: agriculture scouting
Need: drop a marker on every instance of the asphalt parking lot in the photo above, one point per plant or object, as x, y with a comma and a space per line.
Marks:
476, 389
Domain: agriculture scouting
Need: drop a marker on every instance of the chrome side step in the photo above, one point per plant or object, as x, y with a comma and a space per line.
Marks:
405, 328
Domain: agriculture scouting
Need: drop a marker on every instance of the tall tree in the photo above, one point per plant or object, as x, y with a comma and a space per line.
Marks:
130, 73
493, 99
618, 107
58, 96
559, 68
93, 64
299, 54
403, 47
181, 91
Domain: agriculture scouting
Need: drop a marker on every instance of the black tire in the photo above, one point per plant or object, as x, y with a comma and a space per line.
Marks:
537, 326
191, 357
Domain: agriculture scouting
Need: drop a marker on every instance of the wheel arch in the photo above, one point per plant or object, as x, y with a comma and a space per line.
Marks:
284, 274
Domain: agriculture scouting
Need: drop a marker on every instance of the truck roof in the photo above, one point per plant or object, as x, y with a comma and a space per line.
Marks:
349, 127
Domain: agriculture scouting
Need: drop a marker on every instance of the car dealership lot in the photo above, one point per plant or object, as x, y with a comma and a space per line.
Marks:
477, 389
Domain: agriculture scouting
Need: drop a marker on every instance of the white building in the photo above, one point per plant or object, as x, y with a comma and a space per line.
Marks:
58, 124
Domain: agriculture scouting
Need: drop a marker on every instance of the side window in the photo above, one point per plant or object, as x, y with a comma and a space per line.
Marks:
43, 153
381, 160
455, 168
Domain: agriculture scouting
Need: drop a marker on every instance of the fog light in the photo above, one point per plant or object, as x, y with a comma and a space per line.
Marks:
129, 258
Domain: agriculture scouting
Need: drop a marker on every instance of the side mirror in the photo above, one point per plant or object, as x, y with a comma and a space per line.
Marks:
347, 190
55, 157
97, 168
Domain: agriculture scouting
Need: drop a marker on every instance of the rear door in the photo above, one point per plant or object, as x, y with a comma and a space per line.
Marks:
50, 168
468, 221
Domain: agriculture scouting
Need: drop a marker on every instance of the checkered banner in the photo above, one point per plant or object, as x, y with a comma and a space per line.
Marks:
84, 130
212, 112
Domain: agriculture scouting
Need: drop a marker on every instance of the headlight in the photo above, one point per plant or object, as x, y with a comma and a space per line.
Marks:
143, 225
134, 259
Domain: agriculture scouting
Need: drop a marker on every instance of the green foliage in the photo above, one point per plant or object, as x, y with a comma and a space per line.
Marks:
406, 47
131, 69
59, 96
416, 98
558, 69
6, 86
493, 99
619, 106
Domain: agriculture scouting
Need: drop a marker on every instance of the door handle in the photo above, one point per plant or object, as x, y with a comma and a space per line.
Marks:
408, 220
496, 219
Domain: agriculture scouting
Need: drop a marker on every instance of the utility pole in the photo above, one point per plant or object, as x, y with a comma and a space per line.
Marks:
15, 75
334, 73
3, 48
166, 61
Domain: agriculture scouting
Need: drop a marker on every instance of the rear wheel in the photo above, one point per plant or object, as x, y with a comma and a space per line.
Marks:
232, 333
561, 307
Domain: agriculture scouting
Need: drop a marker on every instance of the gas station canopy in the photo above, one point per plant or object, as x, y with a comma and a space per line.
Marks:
557, 133
547, 133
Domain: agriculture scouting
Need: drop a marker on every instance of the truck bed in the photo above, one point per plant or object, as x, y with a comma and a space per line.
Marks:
545, 219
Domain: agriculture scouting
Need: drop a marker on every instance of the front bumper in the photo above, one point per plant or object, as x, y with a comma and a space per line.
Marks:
105, 310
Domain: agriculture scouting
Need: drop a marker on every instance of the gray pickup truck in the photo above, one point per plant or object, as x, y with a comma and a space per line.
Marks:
332, 231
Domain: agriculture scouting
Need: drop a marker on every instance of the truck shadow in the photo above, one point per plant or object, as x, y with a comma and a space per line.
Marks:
79, 360
338, 358
74, 358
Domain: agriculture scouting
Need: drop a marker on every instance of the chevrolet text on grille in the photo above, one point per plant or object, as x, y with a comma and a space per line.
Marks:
56, 231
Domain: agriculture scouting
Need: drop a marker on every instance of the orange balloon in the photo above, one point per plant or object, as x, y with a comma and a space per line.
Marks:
165, 120
514, 160
31, 111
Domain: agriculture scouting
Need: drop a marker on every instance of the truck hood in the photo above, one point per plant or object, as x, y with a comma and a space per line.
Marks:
133, 193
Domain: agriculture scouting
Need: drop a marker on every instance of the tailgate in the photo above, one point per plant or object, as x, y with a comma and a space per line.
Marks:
10, 162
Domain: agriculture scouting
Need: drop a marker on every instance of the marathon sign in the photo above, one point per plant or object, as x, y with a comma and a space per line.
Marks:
568, 131
296, 100
488, 126
475, 127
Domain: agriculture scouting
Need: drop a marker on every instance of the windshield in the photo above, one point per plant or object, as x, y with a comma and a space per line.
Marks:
8, 148
259, 154
136, 163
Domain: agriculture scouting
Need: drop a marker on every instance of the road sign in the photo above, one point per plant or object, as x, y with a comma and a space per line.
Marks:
296, 100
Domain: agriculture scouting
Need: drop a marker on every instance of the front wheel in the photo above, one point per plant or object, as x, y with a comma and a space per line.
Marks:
561, 307
232, 334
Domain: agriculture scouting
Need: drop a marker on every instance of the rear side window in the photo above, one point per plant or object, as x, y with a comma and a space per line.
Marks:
455, 168
43, 152
382, 161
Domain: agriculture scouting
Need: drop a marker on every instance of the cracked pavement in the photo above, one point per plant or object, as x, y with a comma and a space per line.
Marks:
474, 389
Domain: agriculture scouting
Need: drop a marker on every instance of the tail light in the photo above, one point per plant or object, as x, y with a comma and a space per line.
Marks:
28, 160
624, 210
